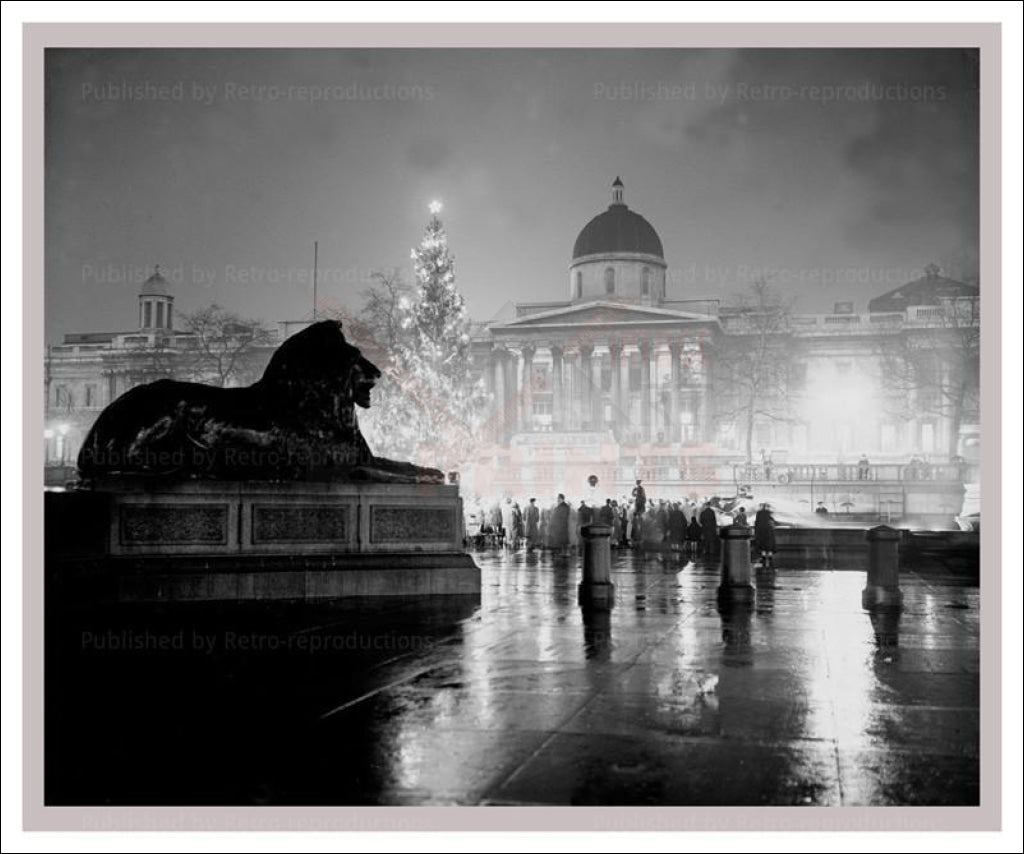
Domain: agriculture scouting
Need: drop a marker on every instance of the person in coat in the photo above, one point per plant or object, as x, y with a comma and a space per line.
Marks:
676, 527
709, 528
764, 534
694, 535
531, 523
558, 527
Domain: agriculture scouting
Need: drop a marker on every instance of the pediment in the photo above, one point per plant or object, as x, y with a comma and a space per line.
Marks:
600, 314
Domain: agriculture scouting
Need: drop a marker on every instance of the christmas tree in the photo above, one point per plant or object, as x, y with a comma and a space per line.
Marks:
439, 314
429, 407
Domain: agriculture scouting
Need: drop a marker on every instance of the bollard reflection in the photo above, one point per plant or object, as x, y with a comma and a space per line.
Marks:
886, 624
736, 632
597, 633
765, 587
563, 572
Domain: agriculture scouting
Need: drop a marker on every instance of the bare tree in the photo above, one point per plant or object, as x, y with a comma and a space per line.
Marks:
149, 362
382, 309
934, 369
225, 347
752, 368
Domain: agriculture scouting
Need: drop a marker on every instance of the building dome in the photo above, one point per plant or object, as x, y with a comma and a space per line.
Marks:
155, 286
156, 305
617, 230
618, 256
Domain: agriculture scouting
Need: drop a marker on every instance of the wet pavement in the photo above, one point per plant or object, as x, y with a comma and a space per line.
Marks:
526, 698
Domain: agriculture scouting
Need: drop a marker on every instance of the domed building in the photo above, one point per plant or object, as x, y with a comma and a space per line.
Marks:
628, 376
618, 365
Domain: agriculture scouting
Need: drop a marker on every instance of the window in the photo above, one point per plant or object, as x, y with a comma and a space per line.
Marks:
578, 290
609, 280
90, 395
148, 315
928, 437
63, 399
160, 315
645, 281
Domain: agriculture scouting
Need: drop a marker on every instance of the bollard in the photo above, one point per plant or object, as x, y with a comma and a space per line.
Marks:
883, 586
735, 585
597, 632
596, 588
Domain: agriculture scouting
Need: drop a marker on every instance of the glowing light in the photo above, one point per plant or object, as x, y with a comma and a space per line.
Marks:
436, 207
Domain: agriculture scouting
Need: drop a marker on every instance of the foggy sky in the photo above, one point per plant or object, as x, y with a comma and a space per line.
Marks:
845, 174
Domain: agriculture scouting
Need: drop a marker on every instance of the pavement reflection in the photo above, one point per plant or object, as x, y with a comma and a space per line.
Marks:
525, 697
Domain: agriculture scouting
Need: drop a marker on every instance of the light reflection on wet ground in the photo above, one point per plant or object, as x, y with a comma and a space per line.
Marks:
803, 698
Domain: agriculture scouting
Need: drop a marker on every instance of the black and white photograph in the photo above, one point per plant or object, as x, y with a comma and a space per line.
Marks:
553, 426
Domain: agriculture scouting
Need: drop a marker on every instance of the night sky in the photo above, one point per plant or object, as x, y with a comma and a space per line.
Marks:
842, 176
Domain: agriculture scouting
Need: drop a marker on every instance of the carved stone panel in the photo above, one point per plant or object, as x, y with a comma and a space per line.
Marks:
412, 524
174, 524
300, 523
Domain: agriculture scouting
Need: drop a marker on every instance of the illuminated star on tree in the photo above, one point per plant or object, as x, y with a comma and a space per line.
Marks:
435, 207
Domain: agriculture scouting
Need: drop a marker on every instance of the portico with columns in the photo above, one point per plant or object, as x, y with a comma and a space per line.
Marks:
617, 365
645, 385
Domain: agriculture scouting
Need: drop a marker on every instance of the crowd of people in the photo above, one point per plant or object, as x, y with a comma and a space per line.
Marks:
636, 521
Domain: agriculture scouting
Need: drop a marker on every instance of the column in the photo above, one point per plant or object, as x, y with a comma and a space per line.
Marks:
703, 403
645, 390
512, 391
596, 393
626, 393
557, 404
498, 361
615, 352
489, 373
675, 428
586, 386
527, 409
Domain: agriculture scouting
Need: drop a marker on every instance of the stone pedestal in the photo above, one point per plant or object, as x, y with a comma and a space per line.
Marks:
735, 585
224, 540
883, 584
596, 588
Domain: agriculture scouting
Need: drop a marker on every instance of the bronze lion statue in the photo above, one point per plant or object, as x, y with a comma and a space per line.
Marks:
298, 422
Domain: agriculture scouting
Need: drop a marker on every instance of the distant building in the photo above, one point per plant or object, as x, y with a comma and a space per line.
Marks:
91, 369
622, 379
932, 289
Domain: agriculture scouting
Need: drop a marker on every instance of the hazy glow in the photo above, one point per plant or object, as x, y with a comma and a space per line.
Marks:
436, 207
841, 408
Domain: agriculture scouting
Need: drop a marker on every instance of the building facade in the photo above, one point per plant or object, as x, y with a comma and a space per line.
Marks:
89, 370
623, 380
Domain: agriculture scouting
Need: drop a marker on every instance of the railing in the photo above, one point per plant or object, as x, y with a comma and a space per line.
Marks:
869, 323
850, 472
